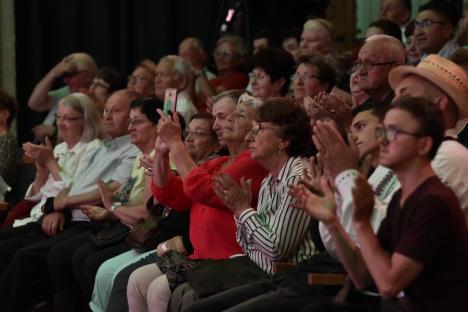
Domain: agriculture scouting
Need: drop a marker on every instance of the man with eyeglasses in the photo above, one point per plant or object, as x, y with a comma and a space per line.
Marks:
435, 26
77, 71
378, 55
446, 85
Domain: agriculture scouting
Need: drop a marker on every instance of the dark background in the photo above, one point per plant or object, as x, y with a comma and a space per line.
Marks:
120, 33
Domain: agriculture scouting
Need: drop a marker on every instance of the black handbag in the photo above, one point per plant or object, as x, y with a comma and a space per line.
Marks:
111, 235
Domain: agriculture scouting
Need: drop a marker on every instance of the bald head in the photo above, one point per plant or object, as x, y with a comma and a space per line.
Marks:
191, 50
389, 46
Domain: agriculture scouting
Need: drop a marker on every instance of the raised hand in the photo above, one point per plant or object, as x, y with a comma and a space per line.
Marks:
336, 155
146, 161
169, 130
322, 208
236, 197
41, 153
363, 197
312, 179
106, 195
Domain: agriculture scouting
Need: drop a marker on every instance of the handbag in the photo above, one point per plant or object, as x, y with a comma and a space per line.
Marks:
214, 276
111, 235
144, 235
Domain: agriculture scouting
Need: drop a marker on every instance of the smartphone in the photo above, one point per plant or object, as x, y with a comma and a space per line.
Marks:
170, 100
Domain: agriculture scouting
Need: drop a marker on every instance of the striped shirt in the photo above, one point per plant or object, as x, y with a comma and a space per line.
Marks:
276, 231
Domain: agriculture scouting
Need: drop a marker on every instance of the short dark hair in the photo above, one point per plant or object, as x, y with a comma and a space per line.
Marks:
268, 34
148, 107
290, 33
206, 116
110, 75
388, 28
460, 56
277, 63
443, 8
378, 109
409, 29
8, 103
327, 73
429, 117
293, 122
407, 4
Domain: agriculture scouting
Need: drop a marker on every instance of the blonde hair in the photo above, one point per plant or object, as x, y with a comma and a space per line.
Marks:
320, 23
82, 104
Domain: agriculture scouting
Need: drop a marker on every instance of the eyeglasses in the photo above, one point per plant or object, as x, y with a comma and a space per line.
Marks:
257, 77
390, 133
306, 77
223, 53
136, 79
256, 129
426, 23
66, 118
194, 133
135, 122
367, 66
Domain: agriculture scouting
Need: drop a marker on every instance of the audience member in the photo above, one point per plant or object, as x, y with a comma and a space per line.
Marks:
376, 58
174, 72
290, 39
142, 77
318, 37
435, 27
264, 38
77, 71
271, 74
460, 57
106, 81
9, 151
446, 85
413, 55
80, 130
397, 11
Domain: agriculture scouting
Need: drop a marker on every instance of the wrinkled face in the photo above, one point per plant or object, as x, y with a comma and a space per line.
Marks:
141, 81
363, 133
266, 142
258, 44
240, 125
399, 152
222, 111
225, 57
142, 130
358, 96
262, 85
99, 92
315, 41
116, 113
431, 39
394, 11
307, 82
374, 79
191, 54
200, 139
413, 55
69, 123
292, 46
164, 79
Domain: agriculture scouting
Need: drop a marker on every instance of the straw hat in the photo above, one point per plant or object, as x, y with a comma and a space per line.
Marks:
441, 72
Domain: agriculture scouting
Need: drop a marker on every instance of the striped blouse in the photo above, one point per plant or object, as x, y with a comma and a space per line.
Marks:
276, 231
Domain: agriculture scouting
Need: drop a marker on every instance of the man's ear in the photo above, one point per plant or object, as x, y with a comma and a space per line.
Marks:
425, 145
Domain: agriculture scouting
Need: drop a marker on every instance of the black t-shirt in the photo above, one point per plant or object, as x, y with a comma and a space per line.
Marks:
431, 229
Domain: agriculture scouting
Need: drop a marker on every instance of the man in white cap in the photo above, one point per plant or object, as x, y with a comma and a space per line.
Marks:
77, 71
445, 84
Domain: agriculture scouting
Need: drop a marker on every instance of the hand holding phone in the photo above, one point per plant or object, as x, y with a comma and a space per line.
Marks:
170, 100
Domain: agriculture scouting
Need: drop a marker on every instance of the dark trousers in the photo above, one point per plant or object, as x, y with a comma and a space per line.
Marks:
73, 265
118, 298
22, 281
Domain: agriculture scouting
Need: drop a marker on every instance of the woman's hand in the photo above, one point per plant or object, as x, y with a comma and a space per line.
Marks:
169, 130
312, 179
236, 197
146, 161
106, 195
95, 213
41, 153
322, 208
161, 149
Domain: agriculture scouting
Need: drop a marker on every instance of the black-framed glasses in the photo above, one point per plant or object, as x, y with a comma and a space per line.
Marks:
427, 23
135, 122
390, 133
66, 118
367, 66
194, 133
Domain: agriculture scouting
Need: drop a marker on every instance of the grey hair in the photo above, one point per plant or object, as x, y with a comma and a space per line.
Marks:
82, 104
180, 68
393, 47
252, 101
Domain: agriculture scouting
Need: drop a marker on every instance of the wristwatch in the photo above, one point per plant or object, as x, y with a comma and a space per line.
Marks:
115, 206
